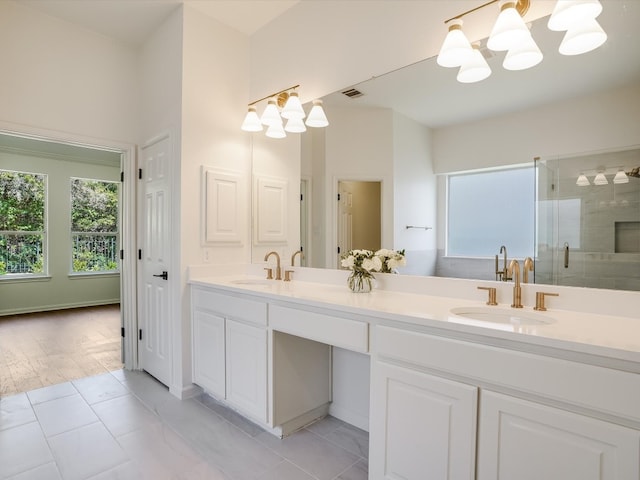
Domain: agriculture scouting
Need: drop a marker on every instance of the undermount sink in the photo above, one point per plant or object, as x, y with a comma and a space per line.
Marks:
250, 281
510, 318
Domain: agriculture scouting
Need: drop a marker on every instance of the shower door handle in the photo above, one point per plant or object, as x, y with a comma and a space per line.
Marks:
566, 254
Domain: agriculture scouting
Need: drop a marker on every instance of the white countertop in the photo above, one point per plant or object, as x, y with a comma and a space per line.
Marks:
605, 336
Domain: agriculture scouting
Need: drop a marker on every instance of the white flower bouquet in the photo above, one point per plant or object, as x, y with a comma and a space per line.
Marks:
364, 262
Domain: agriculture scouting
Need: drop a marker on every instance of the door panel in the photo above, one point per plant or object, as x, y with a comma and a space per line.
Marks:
154, 347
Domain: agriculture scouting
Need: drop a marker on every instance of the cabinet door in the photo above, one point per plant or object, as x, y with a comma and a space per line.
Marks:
522, 440
422, 426
246, 355
208, 352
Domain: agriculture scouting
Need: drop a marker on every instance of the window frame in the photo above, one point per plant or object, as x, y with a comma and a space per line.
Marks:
72, 233
12, 277
520, 166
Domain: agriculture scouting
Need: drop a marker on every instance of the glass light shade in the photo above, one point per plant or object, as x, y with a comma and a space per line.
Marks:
621, 177
583, 38
251, 121
316, 117
509, 29
569, 12
271, 115
295, 125
293, 107
456, 48
475, 69
600, 179
525, 55
275, 130
583, 181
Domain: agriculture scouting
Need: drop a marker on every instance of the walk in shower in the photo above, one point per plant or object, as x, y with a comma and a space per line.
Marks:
588, 220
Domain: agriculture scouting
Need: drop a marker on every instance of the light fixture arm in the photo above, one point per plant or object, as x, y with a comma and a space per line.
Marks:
286, 90
522, 7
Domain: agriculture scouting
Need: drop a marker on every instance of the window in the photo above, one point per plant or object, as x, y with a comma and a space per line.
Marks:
22, 223
491, 208
94, 225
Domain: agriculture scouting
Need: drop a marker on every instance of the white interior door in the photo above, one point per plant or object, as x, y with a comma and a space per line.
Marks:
154, 348
345, 219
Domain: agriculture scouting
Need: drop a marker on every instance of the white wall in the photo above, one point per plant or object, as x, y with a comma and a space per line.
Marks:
608, 120
359, 146
59, 290
214, 86
278, 159
58, 77
415, 196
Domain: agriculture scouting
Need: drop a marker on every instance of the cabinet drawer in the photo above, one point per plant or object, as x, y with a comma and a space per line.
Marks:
605, 390
230, 306
339, 331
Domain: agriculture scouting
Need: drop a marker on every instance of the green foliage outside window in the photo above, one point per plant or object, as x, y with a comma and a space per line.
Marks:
22, 206
94, 225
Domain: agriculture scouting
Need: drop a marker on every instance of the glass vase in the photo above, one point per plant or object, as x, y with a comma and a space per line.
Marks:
360, 281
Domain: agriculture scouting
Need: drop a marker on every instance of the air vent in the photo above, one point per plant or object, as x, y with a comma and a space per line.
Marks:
352, 93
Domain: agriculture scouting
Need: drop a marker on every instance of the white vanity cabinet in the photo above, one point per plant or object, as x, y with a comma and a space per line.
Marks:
524, 440
229, 341
434, 398
422, 426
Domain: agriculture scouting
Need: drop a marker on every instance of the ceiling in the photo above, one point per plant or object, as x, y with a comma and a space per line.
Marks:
132, 21
431, 95
424, 91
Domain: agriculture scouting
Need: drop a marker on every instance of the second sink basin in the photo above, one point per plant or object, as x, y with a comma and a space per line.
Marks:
498, 316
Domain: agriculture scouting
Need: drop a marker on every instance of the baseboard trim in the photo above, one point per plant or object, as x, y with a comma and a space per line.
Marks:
61, 306
350, 417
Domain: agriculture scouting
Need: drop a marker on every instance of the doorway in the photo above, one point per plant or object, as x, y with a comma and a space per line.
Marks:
67, 273
359, 215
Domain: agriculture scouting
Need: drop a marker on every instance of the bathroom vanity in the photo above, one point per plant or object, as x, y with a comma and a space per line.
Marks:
454, 393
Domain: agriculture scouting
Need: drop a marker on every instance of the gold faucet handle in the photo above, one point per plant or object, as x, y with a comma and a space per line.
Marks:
287, 275
269, 273
540, 300
492, 295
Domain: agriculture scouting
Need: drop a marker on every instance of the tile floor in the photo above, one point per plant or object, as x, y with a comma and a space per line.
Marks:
47, 348
126, 425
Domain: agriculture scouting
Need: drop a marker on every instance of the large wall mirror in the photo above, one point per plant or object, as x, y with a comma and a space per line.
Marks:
415, 129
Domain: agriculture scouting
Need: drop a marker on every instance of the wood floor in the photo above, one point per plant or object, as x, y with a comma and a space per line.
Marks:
42, 349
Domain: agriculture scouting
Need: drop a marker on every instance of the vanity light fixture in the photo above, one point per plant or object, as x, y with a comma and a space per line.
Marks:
317, 117
474, 69
583, 181
509, 31
283, 105
456, 48
511, 34
621, 177
600, 179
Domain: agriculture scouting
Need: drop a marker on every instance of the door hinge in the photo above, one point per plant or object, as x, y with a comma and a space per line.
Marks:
122, 176
139, 254
301, 197
121, 254
301, 248
338, 197
140, 173
140, 334
122, 332
338, 249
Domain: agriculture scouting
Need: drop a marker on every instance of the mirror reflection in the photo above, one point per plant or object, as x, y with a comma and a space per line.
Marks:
416, 130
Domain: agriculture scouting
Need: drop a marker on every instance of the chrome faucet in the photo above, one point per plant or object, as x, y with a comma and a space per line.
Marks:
293, 257
514, 271
278, 269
